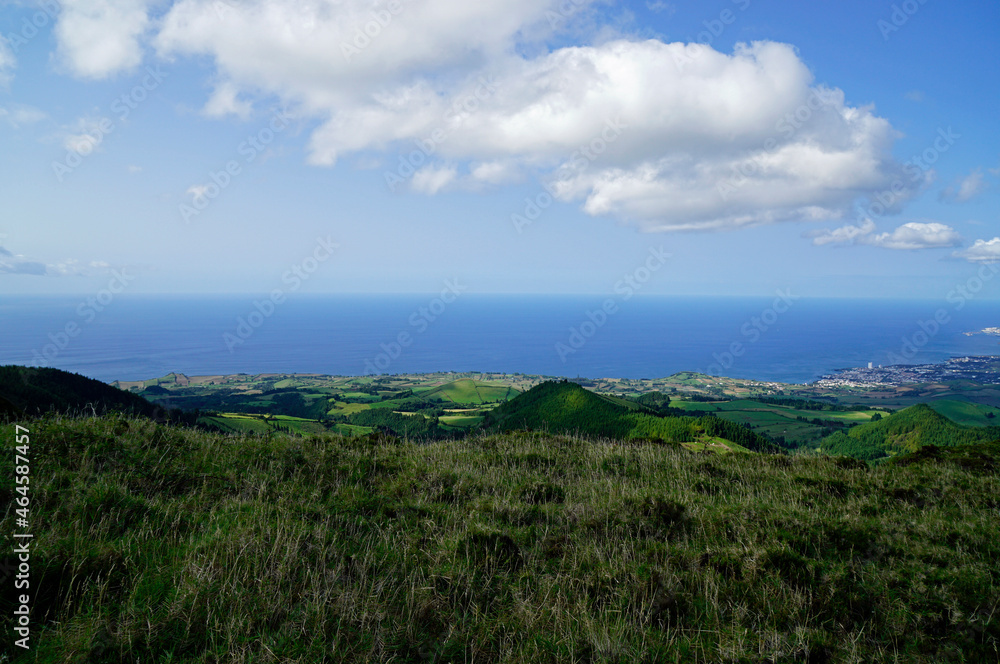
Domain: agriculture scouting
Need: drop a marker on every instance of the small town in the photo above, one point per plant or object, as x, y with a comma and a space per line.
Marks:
980, 369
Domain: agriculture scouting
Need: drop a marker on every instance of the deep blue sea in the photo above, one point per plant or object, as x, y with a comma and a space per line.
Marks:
142, 337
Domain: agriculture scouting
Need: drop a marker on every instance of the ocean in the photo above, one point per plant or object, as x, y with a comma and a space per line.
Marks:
779, 338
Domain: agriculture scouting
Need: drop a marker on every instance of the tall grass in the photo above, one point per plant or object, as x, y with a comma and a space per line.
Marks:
160, 544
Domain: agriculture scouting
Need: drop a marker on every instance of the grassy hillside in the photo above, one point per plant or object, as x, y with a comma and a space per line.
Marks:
158, 544
38, 390
967, 414
905, 431
565, 407
467, 391
796, 421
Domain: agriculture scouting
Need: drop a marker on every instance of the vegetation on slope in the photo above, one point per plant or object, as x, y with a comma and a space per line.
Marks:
414, 426
565, 407
34, 391
904, 431
155, 543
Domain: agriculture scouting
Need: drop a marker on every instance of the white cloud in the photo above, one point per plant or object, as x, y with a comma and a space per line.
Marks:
916, 235
844, 235
11, 263
19, 265
983, 251
306, 48
7, 62
224, 101
84, 136
966, 189
495, 172
431, 180
197, 191
18, 115
912, 235
661, 7
707, 141
98, 38
82, 144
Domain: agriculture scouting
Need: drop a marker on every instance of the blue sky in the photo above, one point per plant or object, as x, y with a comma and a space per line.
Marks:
842, 149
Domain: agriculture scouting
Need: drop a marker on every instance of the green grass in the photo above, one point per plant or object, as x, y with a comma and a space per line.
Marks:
462, 421
236, 424
967, 414
566, 407
364, 396
342, 408
776, 420
158, 544
240, 423
905, 431
467, 391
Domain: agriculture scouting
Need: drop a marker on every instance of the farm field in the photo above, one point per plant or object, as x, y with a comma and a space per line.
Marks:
312, 403
451, 403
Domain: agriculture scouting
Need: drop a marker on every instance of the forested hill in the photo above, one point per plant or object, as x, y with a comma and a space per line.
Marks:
33, 391
905, 431
565, 407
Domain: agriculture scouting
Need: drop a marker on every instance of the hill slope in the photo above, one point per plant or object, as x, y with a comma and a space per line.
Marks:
38, 390
468, 391
966, 413
565, 407
905, 431
168, 544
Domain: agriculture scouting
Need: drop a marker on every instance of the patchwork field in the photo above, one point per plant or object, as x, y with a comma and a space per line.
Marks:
450, 403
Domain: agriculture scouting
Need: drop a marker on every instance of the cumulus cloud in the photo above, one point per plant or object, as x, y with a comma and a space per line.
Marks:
982, 251
661, 7
431, 180
82, 144
22, 267
965, 189
224, 101
666, 136
916, 235
912, 235
495, 172
98, 38
18, 115
83, 136
849, 234
11, 263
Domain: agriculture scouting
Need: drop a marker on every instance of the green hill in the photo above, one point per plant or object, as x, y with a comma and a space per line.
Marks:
33, 391
905, 431
565, 407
